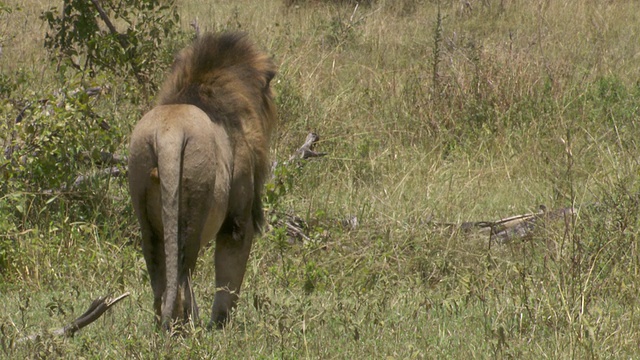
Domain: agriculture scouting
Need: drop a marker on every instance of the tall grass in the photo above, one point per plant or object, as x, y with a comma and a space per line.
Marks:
430, 111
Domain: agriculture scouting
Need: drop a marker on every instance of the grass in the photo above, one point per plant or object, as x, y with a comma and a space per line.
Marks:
428, 113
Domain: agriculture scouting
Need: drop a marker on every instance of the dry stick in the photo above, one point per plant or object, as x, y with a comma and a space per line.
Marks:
295, 230
98, 307
121, 40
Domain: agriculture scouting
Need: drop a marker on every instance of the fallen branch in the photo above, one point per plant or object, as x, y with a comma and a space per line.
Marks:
306, 150
98, 307
512, 227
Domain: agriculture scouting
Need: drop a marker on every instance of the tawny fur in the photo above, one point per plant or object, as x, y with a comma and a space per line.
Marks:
229, 78
197, 165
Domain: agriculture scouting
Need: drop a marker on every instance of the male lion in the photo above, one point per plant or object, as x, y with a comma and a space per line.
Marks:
197, 165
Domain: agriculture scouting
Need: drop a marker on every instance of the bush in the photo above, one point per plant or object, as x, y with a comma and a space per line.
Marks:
76, 39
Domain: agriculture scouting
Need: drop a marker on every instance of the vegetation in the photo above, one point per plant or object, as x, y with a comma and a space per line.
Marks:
429, 111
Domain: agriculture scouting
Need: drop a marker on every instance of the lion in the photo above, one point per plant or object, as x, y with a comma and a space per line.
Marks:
197, 165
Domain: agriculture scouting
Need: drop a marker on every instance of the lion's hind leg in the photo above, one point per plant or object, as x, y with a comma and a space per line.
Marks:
233, 245
153, 251
196, 205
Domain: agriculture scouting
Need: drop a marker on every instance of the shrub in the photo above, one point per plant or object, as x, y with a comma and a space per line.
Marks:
77, 39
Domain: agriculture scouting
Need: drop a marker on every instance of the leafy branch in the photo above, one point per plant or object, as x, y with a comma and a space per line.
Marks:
77, 38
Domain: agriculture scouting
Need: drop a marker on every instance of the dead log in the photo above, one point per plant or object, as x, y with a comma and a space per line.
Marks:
98, 307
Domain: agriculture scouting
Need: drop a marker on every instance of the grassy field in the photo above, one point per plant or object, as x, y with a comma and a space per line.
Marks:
462, 111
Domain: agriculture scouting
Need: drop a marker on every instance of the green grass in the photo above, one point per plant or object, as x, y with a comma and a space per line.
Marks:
531, 103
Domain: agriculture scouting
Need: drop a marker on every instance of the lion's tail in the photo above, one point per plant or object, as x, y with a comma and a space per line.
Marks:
170, 158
